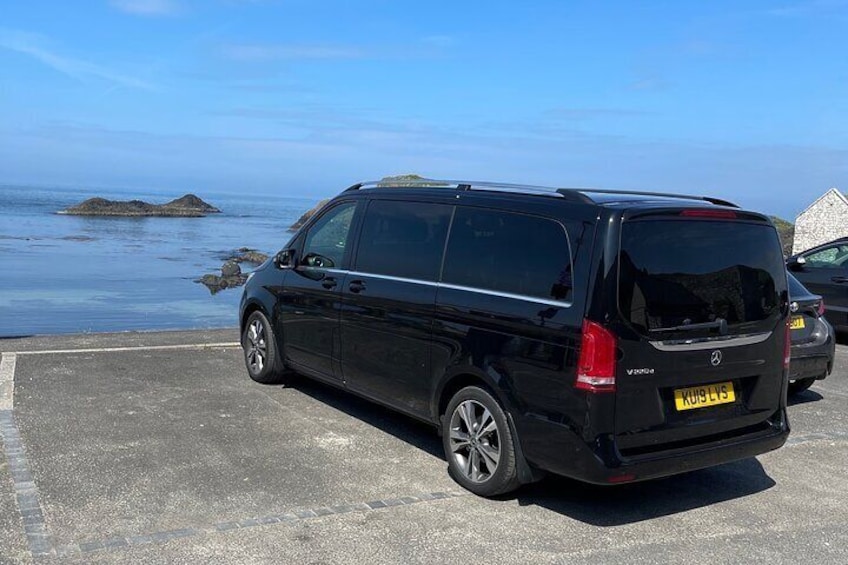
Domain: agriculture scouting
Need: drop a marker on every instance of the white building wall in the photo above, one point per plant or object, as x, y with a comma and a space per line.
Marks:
825, 220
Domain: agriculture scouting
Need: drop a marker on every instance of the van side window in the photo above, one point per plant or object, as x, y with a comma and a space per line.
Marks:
403, 239
509, 252
327, 238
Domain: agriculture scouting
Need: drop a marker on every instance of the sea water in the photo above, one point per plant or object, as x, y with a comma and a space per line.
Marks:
69, 274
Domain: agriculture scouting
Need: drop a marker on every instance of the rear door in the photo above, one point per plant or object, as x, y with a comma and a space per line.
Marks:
388, 302
701, 308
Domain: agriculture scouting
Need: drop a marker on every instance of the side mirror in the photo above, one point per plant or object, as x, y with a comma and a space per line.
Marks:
286, 258
796, 263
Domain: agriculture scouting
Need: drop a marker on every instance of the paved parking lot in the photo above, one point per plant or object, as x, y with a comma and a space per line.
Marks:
157, 448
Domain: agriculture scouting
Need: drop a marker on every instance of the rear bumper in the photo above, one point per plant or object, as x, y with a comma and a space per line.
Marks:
557, 449
812, 366
813, 360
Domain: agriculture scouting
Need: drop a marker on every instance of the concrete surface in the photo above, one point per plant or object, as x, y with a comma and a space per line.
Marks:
157, 448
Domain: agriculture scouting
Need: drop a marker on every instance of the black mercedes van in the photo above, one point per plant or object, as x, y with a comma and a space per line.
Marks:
603, 335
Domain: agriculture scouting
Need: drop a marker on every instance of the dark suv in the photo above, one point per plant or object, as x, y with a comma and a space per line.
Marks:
606, 336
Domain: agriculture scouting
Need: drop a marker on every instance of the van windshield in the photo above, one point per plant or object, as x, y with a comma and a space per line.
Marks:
683, 278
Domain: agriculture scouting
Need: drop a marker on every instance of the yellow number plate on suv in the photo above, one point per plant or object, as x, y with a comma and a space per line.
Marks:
797, 323
702, 396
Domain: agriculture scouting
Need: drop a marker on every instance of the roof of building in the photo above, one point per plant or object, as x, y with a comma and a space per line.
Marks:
833, 190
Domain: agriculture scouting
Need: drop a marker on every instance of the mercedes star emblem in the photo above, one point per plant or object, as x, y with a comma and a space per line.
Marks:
715, 357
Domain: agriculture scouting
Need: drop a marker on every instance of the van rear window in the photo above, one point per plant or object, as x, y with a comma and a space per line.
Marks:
699, 277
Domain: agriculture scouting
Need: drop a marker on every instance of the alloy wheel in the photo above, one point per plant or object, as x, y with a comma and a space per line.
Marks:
475, 441
257, 348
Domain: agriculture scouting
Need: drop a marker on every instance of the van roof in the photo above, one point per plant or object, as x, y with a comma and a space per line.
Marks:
603, 197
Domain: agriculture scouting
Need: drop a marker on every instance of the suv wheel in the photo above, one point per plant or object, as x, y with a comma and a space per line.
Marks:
261, 357
479, 444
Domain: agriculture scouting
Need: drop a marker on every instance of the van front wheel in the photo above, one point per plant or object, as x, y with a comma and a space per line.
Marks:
261, 357
478, 443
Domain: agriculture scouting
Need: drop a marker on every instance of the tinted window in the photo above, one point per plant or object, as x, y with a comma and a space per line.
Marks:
403, 239
796, 288
327, 238
509, 252
833, 257
676, 273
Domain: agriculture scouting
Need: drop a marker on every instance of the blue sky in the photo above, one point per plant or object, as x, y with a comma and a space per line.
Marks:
744, 100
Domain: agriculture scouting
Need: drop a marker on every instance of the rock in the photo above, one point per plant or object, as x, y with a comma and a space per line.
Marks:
210, 280
408, 180
308, 214
216, 284
188, 206
231, 275
192, 202
230, 269
246, 255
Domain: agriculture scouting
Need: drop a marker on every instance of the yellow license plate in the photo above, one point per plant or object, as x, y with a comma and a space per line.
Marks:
702, 396
797, 323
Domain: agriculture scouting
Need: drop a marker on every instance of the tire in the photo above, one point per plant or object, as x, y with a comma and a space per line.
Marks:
483, 463
799, 386
261, 356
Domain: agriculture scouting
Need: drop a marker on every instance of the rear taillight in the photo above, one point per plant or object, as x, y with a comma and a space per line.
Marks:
708, 213
596, 365
820, 308
787, 346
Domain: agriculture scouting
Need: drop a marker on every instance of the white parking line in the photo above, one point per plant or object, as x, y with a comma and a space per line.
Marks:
7, 381
228, 344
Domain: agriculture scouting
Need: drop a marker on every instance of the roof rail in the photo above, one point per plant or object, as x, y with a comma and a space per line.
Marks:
583, 191
581, 195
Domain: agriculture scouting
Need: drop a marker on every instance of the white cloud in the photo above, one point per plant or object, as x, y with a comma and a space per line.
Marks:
147, 7
427, 47
272, 52
32, 45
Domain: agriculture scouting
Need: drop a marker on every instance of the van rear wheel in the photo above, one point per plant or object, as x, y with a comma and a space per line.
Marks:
478, 443
261, 356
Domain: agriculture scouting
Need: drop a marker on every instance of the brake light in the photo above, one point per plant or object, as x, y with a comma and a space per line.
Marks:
596, 365
787, 346
820, 308
708, 213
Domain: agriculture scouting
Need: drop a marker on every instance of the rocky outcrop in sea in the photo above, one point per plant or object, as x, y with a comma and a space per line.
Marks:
231, 274
188, 206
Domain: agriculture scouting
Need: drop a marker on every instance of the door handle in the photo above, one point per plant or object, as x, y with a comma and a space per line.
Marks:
839, 280
356, 286
329, 283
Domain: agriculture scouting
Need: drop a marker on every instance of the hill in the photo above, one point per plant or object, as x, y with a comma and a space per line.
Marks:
786, 230
188, 206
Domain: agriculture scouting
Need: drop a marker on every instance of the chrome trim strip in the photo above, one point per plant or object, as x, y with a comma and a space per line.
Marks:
331, 271
557, 303
547, 302
710, 342
391, 278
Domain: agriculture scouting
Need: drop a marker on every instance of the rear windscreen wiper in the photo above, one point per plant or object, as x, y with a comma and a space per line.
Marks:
719, 323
